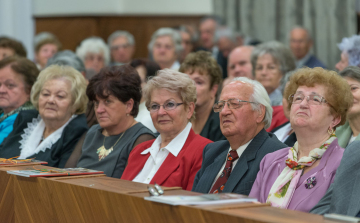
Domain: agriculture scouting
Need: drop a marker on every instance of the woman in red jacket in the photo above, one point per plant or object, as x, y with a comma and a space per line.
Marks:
175, 156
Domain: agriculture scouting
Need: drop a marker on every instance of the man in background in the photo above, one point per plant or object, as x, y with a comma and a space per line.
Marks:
122, 47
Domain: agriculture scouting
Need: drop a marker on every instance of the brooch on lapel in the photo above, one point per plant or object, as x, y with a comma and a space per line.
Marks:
310, 182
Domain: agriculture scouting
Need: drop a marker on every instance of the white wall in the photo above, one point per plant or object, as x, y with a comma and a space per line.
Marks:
121, 7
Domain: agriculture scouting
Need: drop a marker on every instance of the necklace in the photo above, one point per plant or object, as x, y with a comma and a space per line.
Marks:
103, 152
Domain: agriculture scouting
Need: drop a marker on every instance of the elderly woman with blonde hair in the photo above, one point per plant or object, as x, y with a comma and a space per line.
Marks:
175, 156
50, 132
297, 177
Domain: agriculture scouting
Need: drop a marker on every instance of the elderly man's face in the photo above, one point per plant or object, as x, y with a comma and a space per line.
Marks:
300, 43
164, 51
239, 121
239, 64
121, 51
207, 32
225, 46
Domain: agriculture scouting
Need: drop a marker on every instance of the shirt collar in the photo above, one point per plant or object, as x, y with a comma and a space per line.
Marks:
242, 148
174, 147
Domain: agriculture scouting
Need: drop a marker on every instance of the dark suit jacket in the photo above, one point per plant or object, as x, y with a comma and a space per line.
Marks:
176, 171
244, 173
313, 61
59, 152
343, 196
211, 128
291, 140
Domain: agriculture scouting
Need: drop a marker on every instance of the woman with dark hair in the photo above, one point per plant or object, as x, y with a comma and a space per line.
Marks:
146, 69
17, 76
116, 93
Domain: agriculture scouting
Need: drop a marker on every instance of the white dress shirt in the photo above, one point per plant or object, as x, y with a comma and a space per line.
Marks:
239, 151
145, 118
158, 155
175, 66
283, 133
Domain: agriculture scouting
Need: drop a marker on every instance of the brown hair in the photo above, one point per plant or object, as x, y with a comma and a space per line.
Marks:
203, 63
123, 82
23, 67
17, 46
338, 93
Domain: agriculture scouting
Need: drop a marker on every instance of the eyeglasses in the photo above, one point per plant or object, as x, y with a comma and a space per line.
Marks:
120, 46
232, 104
311, 99
168, 106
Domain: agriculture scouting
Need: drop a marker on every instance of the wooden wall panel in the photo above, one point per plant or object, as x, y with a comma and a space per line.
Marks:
72, 30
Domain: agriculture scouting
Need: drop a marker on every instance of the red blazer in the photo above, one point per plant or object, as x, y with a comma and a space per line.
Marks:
278, 118
177, 171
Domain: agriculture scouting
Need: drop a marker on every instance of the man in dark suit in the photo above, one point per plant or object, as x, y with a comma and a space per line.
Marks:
300, 45
343, 196
245, 110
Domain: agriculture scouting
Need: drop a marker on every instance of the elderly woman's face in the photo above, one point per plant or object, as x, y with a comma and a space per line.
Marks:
55, 101
354, 111
315, 118
343, 63
45, 53
111, 112
94, 61
204, 94
267, 72
164, 51
169, 122
12, 90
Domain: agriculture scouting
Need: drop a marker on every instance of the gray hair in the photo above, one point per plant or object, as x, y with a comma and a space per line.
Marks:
215, 18
175, 36
351, 46
67, 58
261, 97
351, 72
285, 80
278, 51
225, 32
119, 33
93, 45
172, 81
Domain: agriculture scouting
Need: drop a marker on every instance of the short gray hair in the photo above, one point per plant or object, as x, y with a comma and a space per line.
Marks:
278, 51
68, 58
119, 33
175, 36
351, 72
225, 32
260, 96
172, 81
308, 33
93, 45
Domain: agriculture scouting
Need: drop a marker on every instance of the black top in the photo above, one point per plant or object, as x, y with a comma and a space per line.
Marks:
60, 151
115, 162
291, 140
212, 129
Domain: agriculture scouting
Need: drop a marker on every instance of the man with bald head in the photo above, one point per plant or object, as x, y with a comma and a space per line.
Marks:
239, 63
300, 45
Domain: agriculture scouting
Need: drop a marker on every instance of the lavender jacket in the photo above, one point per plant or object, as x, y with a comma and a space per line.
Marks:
303, 199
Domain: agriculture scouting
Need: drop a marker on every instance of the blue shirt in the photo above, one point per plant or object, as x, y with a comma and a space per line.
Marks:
6, 126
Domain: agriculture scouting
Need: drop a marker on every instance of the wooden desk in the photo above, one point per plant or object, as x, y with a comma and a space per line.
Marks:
104, 199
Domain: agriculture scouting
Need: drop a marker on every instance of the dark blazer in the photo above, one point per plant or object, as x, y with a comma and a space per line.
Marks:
244, 173
291, 140
343, 196
59, 152
313, 61
175, 171
211, 128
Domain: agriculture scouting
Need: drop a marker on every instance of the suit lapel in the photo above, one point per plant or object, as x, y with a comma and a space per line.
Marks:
170, 164
213, 169
136, 167
242, 165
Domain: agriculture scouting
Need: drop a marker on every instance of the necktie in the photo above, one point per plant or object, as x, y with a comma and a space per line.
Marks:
221, 181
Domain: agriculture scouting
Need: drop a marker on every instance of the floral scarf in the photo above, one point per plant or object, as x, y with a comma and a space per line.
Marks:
26, 106
284, 186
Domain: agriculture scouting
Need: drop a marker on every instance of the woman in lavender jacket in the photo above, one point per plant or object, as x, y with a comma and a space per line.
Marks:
297, 178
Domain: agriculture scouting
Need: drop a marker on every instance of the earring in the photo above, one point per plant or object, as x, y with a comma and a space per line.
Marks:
127, 114
331, 131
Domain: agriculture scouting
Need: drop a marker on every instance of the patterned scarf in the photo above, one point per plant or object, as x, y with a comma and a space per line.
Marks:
26, 106
284, 186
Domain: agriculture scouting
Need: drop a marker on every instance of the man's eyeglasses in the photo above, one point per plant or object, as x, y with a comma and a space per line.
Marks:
231, 103
311, 99
168, 106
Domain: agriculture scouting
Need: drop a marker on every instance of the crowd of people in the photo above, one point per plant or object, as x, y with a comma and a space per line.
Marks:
209, 111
